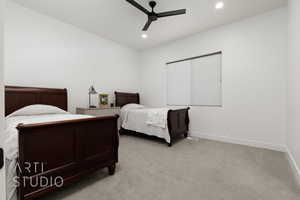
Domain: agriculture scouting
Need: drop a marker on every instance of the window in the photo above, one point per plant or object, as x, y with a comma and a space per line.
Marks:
195, 81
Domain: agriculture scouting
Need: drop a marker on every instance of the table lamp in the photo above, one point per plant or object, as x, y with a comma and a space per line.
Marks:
91, 92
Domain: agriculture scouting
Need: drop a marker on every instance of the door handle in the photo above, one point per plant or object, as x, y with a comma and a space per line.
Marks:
1, 158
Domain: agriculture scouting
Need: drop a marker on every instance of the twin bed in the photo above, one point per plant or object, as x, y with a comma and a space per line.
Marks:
56, 144
61, 145
166, 123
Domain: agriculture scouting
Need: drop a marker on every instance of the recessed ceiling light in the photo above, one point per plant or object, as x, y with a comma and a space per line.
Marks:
219, 5
144, 36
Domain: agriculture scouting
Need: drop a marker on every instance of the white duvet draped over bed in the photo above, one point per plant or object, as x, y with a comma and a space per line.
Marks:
158, 117
11, 141
149, 121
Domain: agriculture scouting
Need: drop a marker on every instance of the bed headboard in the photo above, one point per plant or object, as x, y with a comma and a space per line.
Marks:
126, 98
19, 97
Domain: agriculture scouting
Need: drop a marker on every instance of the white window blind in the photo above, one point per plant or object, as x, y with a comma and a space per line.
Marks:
196, 81
179, 84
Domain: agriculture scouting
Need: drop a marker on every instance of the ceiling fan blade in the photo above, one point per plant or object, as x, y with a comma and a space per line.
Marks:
138, 6
147, 25
171, 13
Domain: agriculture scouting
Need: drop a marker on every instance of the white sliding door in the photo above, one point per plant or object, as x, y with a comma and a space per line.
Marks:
2, 172
178, 83
195, 81
206, 83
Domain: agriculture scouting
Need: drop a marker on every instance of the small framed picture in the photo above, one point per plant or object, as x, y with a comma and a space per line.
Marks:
103, 100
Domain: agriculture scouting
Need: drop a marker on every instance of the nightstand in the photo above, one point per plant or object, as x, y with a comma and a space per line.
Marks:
100, 112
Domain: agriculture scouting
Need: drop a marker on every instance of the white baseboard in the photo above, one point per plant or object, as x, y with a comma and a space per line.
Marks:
294, 166
276, 147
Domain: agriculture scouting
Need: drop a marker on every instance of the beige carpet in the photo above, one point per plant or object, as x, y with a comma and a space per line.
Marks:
190, 170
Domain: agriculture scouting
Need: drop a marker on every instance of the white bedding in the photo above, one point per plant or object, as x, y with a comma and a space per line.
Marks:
158, 117
11, 141
149, 121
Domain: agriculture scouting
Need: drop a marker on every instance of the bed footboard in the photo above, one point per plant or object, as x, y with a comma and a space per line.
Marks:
178, 123
52, 155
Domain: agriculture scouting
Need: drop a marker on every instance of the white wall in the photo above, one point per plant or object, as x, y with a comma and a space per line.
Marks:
43, 52
254, 80
2, 173
293, 135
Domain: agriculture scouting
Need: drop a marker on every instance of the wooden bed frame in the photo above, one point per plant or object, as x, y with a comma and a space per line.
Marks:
178, 120
64, 150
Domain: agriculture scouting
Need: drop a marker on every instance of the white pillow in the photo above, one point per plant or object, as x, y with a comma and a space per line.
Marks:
37, 109
132, 106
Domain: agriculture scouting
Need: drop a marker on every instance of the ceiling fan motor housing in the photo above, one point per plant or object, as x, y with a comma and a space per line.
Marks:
152, 17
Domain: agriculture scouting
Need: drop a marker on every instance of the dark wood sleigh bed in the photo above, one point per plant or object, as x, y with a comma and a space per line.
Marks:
68, 149
178, 120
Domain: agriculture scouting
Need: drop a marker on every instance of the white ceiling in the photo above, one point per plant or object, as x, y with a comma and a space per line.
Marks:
119, 21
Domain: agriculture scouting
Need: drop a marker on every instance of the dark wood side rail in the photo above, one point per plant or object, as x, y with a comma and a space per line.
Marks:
67, 150
74, 121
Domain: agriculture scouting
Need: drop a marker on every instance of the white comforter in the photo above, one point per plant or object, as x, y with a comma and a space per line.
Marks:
11, 141
150, 121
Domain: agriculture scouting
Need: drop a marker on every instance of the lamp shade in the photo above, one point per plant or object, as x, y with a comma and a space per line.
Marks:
92, 90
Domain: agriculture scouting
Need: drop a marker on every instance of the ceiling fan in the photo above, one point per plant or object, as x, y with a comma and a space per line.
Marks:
153, 16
